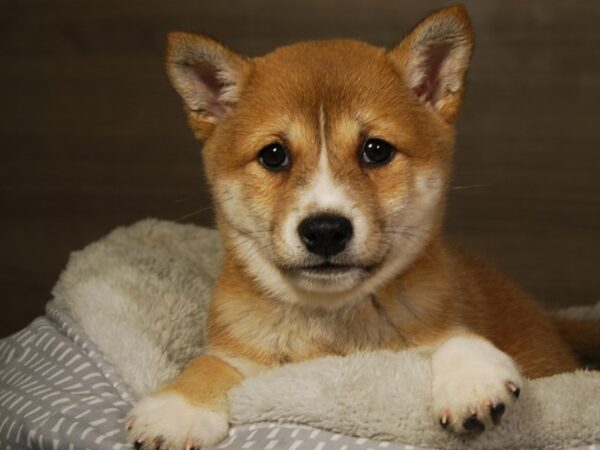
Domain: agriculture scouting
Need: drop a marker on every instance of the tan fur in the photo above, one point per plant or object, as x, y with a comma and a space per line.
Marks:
217, 377
329, 96
444, 292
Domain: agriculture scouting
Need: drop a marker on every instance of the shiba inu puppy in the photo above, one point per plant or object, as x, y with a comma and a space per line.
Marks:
329, 163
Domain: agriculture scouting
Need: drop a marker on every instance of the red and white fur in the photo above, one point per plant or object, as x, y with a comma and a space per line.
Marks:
396, 283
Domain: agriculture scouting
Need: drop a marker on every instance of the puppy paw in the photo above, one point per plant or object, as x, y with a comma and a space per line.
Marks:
167, 421
474, 384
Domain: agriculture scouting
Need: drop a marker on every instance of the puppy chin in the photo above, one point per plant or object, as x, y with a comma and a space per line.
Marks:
334, 281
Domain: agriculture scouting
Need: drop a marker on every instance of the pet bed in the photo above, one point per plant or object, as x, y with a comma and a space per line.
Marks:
127, 315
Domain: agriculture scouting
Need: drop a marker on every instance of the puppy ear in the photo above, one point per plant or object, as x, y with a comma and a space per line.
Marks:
208, 76
433, 59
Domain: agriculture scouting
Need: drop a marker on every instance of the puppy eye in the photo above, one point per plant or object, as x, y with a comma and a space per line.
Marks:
274, 157
376, 152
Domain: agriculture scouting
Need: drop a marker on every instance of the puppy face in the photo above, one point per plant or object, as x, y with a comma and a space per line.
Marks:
328, 160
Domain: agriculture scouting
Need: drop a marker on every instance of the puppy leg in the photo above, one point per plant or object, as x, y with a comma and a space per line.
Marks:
474, 383
190, 412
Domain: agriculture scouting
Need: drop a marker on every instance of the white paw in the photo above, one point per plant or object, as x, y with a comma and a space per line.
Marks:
167, 421
474, 384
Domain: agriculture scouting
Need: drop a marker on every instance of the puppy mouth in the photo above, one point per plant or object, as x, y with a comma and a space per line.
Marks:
327, 269
326, 277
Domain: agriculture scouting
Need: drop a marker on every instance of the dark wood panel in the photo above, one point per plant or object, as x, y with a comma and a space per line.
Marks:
93, 137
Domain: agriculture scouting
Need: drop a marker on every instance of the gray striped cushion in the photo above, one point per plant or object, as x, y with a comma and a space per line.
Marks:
58, 392
53, 395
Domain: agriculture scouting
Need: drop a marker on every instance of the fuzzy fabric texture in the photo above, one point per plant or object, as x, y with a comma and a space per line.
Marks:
140, 294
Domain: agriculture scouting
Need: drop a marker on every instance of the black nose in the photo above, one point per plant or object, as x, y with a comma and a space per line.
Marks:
325, 234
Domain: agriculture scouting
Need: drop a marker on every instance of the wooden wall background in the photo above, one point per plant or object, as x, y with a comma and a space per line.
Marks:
92, 136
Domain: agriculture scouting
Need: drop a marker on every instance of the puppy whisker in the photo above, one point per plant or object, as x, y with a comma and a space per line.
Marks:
199, 211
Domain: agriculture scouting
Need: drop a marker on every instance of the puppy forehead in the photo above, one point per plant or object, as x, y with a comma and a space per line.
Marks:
352, 81
305, 75
319, 56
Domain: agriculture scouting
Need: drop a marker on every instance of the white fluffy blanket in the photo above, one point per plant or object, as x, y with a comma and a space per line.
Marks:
140, 295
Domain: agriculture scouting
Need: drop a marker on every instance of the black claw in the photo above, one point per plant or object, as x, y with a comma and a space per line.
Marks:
137, 445
497, 411
473, 424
